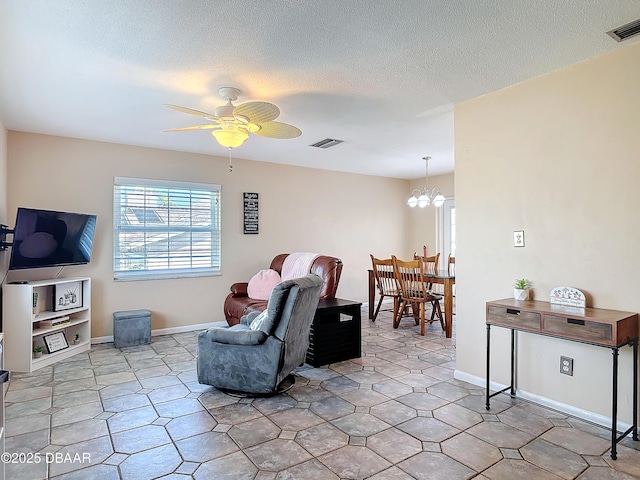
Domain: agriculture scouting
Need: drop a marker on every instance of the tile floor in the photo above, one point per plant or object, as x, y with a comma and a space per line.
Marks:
394, 414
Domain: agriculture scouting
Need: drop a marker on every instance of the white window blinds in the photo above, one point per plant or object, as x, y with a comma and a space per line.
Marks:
165, 229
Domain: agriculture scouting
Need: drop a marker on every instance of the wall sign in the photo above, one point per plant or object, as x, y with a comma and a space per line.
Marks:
569, 296
250, 213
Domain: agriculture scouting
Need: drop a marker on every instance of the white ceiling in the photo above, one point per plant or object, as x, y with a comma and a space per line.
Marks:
382, 75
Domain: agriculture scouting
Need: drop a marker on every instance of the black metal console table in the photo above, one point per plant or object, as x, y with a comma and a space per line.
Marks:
595, 326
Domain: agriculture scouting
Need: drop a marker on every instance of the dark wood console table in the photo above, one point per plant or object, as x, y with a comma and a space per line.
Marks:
335, 333
594, 326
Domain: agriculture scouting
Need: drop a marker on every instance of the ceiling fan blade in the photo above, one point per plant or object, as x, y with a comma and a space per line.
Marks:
278, 130
257, 112
195, 127
191, 111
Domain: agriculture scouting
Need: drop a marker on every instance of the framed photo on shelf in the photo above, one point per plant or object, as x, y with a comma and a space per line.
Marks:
55, 342
67, 295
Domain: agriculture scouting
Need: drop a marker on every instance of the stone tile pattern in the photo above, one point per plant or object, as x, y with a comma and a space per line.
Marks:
395, 413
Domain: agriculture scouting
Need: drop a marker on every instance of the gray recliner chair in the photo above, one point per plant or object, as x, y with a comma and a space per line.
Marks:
257, 354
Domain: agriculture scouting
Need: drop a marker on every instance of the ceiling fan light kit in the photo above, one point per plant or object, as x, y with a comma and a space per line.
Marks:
231, 137
425, 197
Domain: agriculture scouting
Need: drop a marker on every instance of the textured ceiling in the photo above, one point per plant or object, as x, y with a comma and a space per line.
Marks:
382, 75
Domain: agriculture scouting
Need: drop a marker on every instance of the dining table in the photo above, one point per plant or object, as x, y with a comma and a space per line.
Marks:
441, 277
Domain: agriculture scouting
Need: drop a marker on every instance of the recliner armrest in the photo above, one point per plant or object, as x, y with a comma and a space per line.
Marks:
248, 318
239, 289
237, 335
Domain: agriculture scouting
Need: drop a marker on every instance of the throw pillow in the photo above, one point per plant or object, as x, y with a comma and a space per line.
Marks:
258, 321
262, 283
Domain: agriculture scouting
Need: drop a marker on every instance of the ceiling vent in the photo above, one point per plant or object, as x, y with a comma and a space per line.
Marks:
626, 31
327, 143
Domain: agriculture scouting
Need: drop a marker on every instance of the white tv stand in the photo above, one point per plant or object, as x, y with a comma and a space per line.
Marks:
20, 322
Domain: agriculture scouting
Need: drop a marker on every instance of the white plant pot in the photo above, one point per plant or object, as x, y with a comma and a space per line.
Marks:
521, 294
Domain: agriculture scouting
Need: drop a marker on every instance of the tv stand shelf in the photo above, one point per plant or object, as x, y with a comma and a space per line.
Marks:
46, 330
48, 315
21, 314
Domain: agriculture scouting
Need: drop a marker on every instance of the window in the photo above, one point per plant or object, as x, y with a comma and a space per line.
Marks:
165, 229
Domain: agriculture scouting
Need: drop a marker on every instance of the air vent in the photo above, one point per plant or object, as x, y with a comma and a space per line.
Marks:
626, 31
327, 143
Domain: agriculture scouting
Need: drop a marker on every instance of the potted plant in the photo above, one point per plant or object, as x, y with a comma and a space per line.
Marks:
37, 351
76, 338
521, 289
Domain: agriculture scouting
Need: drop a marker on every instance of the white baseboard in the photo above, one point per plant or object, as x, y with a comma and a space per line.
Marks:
586, 415
160, 331
107, 339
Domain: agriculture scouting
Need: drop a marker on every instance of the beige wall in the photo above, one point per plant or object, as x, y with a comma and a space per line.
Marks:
301, 209
4, 256
557, 157
3, 174
423, 225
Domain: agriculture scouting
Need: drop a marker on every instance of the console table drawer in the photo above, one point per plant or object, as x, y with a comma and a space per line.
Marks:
579, 329
513, 317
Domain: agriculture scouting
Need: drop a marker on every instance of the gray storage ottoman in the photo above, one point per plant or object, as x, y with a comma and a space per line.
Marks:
131, 328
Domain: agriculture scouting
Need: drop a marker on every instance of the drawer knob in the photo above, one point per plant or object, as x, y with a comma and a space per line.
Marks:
511, 311
575, 321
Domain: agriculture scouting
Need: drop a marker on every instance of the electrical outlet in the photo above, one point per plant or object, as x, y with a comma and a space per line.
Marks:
566, 366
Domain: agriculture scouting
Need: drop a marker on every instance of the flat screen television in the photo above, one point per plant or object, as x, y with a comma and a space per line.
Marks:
44, 238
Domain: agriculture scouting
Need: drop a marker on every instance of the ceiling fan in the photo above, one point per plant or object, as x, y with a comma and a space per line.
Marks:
232, 125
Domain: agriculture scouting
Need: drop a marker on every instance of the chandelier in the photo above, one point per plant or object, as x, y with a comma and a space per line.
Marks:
425, 197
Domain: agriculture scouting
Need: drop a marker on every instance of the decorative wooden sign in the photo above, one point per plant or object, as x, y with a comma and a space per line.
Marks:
568, 296
251, 226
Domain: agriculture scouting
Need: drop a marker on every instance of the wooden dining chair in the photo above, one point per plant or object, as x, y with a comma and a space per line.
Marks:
430, 265
431, 268
413, 289
387, 284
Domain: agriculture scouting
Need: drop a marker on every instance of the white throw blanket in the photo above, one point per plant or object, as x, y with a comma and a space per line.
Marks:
297, 265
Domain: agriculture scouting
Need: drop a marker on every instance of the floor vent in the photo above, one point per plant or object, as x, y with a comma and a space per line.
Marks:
626, 31
327, 143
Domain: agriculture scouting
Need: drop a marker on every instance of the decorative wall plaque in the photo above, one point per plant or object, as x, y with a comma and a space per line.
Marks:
250, 213
568, 296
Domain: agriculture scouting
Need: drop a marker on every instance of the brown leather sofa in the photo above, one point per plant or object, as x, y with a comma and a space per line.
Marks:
238, 303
